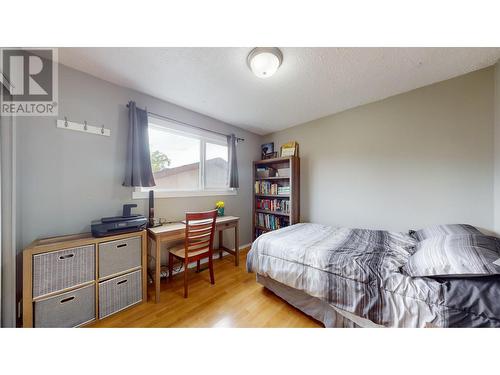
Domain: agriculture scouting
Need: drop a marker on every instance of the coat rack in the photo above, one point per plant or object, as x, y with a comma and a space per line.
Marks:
86, 128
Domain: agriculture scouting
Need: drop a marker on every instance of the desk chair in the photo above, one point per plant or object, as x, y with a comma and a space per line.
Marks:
198, 244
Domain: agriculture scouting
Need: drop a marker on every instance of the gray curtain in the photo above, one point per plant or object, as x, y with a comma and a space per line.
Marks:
233, 164
138, 168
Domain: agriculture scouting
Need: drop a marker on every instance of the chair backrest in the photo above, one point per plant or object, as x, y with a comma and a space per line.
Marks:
200, 230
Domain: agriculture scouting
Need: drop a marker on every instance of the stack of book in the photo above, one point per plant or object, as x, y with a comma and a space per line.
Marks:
265, 187
283, 190
270, 221
279, 205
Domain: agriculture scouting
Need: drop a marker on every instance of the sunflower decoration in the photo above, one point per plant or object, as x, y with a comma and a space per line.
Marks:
220, 208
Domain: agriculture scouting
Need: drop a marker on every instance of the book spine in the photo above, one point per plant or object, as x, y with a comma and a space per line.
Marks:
270, 221
278, 205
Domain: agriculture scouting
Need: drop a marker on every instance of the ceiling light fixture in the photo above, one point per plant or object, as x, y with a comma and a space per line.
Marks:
264, 61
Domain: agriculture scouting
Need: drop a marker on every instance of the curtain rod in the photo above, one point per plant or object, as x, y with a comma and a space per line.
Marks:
193, 126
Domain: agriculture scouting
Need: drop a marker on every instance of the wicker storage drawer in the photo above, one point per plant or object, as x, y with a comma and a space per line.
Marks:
120, 292
65, 310
119, 256
62, 269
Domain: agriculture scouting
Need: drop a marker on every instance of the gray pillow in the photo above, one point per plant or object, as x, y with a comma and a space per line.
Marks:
445, 229
455, 256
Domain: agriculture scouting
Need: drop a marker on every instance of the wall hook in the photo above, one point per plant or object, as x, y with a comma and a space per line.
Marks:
83, 127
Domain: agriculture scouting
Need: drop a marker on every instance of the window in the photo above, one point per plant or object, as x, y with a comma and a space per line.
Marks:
216, 166
186, 161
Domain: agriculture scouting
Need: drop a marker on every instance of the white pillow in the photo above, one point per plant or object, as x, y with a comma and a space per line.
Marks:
455, 256
443, 229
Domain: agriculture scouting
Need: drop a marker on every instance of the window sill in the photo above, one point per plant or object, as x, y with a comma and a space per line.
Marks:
182, 194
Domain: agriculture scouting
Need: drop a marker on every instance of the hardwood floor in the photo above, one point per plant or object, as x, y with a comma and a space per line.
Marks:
236, 300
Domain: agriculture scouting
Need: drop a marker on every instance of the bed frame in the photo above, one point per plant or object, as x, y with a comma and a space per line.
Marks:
331, 317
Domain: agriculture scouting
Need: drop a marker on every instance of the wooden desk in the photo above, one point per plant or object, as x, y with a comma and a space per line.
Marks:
175, 232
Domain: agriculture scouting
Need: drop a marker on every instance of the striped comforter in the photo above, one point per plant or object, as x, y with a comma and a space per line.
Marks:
359, 271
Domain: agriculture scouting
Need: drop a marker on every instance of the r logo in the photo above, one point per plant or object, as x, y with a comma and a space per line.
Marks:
29, 73
28, 81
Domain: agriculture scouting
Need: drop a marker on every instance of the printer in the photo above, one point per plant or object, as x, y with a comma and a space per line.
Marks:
128, 222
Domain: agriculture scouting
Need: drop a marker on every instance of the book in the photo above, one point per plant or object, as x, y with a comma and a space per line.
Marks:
270, 221
266, 187
283, 190
278, 205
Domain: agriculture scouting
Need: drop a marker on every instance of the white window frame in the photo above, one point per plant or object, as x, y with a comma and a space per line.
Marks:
204, 137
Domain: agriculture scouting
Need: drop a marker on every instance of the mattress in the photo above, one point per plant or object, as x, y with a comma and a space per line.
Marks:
358, 271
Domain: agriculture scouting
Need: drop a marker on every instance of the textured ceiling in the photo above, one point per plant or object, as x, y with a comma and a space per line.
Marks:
311, 83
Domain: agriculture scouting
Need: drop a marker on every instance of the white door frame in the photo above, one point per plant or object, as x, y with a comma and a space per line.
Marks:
7, 221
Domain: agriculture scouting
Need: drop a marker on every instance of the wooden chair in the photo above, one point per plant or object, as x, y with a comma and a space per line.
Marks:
198, 244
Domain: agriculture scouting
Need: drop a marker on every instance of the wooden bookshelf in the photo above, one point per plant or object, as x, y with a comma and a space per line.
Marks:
272, 178
272, 212
276, 218
273, 195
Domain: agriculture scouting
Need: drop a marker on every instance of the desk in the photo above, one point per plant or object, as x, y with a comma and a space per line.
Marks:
176, 231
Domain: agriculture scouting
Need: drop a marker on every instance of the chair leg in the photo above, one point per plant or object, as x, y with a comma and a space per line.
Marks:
185, 280
198, 265
170, 266
211, 268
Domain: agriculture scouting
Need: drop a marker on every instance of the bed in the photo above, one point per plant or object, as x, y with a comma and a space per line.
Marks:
353, 278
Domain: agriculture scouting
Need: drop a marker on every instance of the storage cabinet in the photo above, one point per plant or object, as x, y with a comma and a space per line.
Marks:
70, 309
63, 269
119, 256
119, 293
70, 281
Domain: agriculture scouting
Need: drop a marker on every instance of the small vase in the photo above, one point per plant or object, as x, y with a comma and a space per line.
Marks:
220, 211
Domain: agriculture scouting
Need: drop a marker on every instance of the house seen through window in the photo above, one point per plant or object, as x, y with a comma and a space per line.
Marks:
185, 159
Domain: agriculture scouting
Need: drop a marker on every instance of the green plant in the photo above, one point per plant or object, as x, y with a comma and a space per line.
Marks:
159, 161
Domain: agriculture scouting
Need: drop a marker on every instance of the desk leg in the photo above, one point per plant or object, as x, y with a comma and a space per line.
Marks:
236, 246
221, 245
157, 270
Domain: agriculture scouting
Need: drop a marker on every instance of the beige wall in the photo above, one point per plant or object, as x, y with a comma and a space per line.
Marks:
415, 159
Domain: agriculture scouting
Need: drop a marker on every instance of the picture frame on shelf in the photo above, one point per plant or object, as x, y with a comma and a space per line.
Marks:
267, 150
289, 149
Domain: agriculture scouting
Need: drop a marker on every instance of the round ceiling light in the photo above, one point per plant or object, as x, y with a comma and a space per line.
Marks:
264, 61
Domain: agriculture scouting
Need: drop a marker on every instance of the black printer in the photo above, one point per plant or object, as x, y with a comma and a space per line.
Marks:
128, 222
